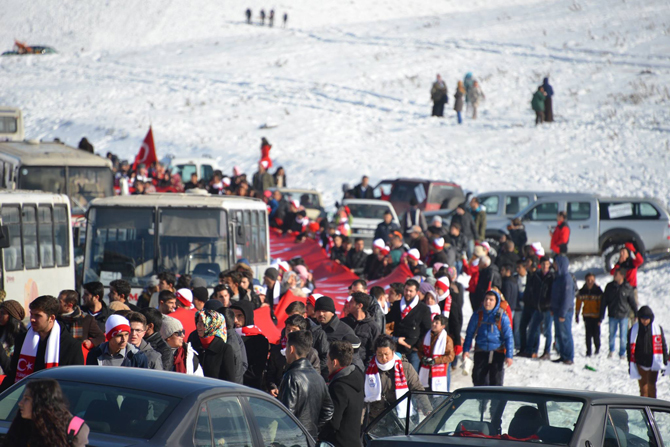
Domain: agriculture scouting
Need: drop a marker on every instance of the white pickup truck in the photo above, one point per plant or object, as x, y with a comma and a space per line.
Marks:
367, 214
600, 225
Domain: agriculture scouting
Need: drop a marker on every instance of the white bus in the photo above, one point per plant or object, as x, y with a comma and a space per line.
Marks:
37, 255
136, 237
11, 124
56, 168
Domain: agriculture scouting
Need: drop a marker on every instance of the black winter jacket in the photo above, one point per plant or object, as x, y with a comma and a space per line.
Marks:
468, 228
383, 230
488, 277
346, 392
538, 291
413, 327
321, 344
356, 260
367, 331
100, 317
456, 315
157, 342
510, 290
304, 392
618, 300
336, 330
217, 361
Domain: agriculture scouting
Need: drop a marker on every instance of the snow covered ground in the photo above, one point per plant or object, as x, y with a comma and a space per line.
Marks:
347, 84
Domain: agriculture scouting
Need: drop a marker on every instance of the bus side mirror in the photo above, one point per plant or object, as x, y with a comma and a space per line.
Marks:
241, 237
4, 236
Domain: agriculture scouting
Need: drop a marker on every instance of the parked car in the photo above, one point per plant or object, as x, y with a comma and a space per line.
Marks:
500, 416
132, 406
367, 214
204, 167
308, 198
601, 225
21, 49
429, 194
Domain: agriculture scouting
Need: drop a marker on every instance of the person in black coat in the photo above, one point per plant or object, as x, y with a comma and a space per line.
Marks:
363, 190
489, 276
324, 311
510, 286
255, 343
346, 391
386, 227
153, 336
303, 391
467, 223
43, 312
365, 328
209, 341
507, 255
356, 257
409, 329
456, 315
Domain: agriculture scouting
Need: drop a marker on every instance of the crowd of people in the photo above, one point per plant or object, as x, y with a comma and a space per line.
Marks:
261, 15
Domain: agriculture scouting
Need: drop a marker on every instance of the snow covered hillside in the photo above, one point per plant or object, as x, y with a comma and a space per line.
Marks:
347, 84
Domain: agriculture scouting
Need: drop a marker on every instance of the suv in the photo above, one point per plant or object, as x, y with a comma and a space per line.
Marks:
367, 214
600, 225
429, 194
308, 198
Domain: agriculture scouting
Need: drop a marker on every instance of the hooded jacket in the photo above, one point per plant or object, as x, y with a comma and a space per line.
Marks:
256, 346
165, 351
488, 278
562, 289
487, 336
644, 344
346, 392
367, 332
304, 392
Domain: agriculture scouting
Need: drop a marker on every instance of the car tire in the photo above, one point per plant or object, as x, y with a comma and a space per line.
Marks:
611, 251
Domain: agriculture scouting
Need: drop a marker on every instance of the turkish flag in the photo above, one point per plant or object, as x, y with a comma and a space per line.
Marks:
147, 153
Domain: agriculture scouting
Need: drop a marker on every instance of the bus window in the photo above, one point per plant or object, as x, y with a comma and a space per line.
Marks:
43, 178
3, 183
46, 236
121, 242
262, 246
247, 233
61, 236
88, 183
191, 241
13, 254
29, 224
254, 237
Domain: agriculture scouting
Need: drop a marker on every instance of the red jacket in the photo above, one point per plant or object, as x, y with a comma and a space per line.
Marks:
632, 263
560, 238
473, 271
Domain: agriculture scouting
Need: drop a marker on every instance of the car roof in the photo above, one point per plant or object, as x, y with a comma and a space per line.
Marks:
367, 202
537, 193
593, 397
179, 200
159, 382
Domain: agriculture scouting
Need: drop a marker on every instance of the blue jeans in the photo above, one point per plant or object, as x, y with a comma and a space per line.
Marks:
460, 119
564, 336
620, 324
413, 359
537, 321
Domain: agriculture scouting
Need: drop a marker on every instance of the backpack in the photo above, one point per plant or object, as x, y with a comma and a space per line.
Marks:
73, 428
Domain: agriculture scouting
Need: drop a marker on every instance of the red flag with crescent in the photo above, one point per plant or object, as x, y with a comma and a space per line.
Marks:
147, 153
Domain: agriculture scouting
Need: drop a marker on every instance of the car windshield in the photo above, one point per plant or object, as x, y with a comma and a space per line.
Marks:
84, 183
532, 417
306, 199
367, 210
440, 193
106, 409
121, 244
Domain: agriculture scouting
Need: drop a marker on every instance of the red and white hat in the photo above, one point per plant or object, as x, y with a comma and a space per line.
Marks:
537, 248
284, 267
486, 246
312, 299
114, 325
379, 243
443, 283
414, 254
296, 204
438, 243
226, 181
385, 251
185, 297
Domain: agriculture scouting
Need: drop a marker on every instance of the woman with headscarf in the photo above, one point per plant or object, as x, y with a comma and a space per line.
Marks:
43, 419
11, 325
647, 351
209, 341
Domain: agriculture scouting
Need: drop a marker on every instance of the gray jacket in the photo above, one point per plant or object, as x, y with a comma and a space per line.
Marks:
154, 357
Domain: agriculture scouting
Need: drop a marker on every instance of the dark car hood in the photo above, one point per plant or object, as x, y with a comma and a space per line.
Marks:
433, 440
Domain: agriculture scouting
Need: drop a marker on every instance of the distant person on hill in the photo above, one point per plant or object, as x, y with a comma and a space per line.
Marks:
438, 94
285, 19
458, 101
548, 106
475, 97
265, 152
272, 17
262, 17
248, 14
537, 103
85, 145
467, 83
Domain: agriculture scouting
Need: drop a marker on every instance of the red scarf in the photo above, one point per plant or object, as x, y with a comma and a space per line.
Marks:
248, 331
206, 341
180, 359
408, 307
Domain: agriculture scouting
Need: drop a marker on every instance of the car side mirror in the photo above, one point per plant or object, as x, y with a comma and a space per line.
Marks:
324, 444
4, 236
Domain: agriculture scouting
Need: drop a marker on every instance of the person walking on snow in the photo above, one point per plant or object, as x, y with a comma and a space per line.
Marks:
467, 82
590, 296
262, 17
438, 94
458, 101
537, 103
548, 107
265, 152
647, 351
475, 97
248, 14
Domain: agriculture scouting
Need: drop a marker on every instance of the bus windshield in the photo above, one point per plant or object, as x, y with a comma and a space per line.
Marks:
84, 183
122, 244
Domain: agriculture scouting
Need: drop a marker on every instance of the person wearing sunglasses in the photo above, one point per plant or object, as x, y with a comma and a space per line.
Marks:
185, 357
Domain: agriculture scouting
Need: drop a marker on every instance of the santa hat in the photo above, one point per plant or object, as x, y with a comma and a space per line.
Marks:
414, 254
438, 243
114, 325
312, 299
538, 249
379, 243
284, 267
443, 283
185, 297
385, 251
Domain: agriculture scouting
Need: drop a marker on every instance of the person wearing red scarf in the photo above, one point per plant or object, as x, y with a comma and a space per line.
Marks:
185, 358
217, 358
255, 343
